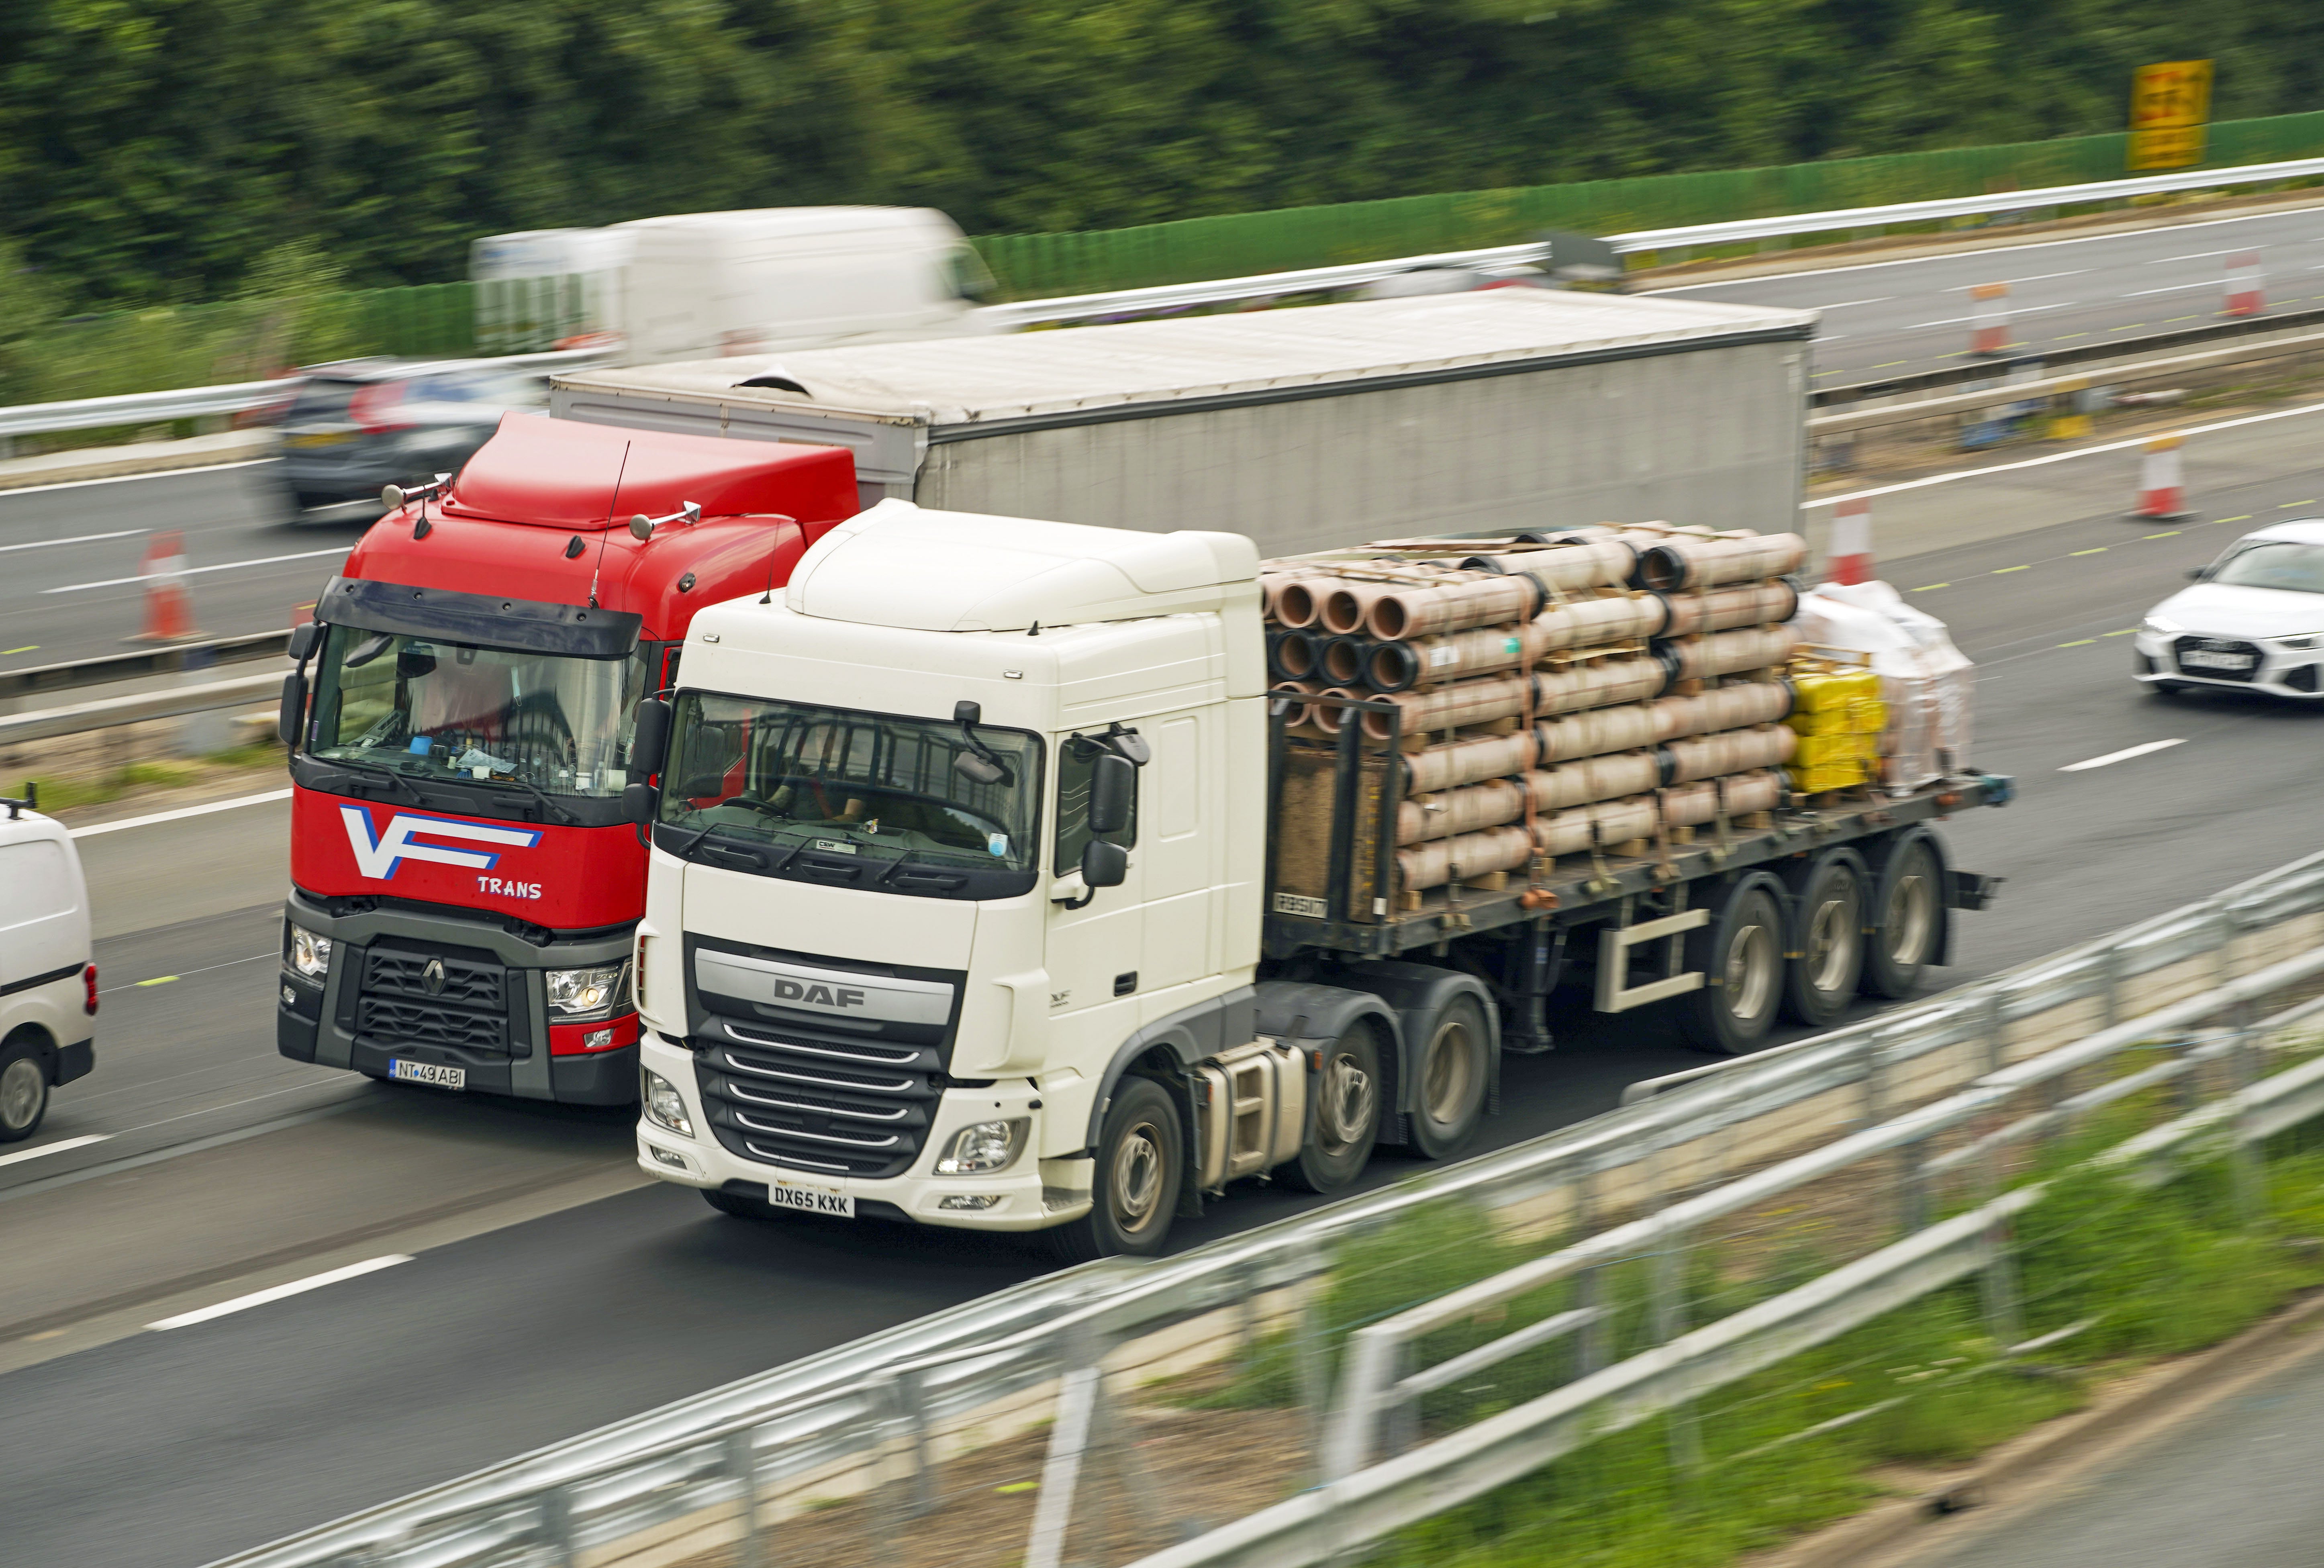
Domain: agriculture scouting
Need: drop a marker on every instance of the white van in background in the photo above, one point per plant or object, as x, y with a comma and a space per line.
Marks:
48, 985
705, 285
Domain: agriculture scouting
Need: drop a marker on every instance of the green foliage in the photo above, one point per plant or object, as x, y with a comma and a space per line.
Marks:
185, 150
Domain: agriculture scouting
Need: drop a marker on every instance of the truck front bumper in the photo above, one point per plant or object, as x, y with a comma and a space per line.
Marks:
1028, 1195
324, 1022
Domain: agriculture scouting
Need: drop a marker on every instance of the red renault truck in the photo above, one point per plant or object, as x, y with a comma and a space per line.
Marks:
465, 883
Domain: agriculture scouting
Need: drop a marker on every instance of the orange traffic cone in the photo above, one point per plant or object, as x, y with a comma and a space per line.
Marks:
168, 611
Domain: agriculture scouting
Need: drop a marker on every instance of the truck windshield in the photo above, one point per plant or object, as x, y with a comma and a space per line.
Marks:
831, 781
434, 708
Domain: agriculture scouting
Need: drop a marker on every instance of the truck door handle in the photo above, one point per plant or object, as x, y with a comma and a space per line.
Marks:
1123, 984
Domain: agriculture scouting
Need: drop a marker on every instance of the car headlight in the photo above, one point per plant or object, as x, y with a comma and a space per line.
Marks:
2160, 626
983, 1146
579, 995
2309, 640
664, 1108
311, 955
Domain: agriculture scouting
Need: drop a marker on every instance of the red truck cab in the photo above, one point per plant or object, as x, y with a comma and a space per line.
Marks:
465, 881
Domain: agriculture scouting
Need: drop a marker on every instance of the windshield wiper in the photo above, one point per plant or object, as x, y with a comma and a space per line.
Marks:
382, 771
534, 791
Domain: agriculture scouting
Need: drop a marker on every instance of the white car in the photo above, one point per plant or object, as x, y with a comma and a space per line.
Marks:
2253, 620
48, 985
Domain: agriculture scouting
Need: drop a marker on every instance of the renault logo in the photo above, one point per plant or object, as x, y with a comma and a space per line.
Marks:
432, 977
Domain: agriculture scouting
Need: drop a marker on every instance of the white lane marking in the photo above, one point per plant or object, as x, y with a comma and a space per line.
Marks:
2039, 277
2134, 442
2173, 288
296, 1287
1989, 251
1845, 304
2125, 755
2013, 312
190, 571
58, 1146
180, 813
41, 544
134, 478
2198, 256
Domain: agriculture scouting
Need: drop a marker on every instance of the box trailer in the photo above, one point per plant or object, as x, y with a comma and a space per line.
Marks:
1302, 429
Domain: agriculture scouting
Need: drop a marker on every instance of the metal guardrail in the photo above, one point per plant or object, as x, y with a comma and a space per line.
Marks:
846, 1422
113, 712
240, 397
170, 660
1863, 219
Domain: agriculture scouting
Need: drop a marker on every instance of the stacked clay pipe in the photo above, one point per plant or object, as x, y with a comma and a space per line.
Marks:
1642, 665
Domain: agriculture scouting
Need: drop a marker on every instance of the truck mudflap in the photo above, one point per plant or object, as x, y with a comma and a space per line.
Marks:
1970, 890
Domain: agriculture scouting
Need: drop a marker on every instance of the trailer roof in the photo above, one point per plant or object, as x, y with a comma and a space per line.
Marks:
991, 379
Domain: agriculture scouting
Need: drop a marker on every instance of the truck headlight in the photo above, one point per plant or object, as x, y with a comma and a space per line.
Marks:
579, 995
983, 1146
311, 955
664, 1108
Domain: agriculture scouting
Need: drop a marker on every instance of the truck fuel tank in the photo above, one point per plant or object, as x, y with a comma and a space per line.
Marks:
1253, 1111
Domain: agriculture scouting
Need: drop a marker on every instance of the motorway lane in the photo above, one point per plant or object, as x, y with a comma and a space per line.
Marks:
1885, 320
70, 555
499, 1324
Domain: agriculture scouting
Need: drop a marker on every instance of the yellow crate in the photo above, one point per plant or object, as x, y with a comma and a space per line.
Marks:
1848, 746
1842, 774
1820, 689
1868, 718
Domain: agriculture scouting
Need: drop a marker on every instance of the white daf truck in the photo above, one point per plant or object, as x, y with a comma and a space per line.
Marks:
961, 907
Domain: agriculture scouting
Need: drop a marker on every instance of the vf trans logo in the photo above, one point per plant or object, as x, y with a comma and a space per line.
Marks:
378, 854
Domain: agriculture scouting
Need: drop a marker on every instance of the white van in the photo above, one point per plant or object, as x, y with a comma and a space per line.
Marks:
48, 985
707, 285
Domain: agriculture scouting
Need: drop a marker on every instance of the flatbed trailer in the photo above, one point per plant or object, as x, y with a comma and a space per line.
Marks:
1635, 894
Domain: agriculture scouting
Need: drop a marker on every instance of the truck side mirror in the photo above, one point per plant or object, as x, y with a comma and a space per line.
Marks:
1105, 864
302, 641
1113, 785
651, 739
637, 803
293, 715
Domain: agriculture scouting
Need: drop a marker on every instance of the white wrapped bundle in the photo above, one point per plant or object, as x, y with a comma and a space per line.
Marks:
1929, 685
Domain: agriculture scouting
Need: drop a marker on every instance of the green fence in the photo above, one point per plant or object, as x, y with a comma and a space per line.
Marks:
1036, 266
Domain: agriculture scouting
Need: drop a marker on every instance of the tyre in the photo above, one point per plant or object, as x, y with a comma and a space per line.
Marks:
1907, 916
1828, 908
1141, 1165
1346, 1123
23, 1090
741, 1208
1741, 955
1450, 1072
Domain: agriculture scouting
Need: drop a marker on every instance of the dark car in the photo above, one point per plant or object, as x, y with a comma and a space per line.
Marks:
357, 424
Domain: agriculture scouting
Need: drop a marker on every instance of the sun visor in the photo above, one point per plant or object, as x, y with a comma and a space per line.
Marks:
558, 473
527, 626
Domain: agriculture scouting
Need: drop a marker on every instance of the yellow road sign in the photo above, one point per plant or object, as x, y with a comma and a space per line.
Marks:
2169, 106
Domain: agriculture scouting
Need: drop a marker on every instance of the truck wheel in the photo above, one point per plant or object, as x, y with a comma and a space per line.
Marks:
24, 1091
1829, 904
1346, 1123
1449, 1074
1140, 1165
1907, 917
1741, 955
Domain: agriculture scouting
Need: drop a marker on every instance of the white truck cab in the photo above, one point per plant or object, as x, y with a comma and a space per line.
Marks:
875, 976
48, 985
